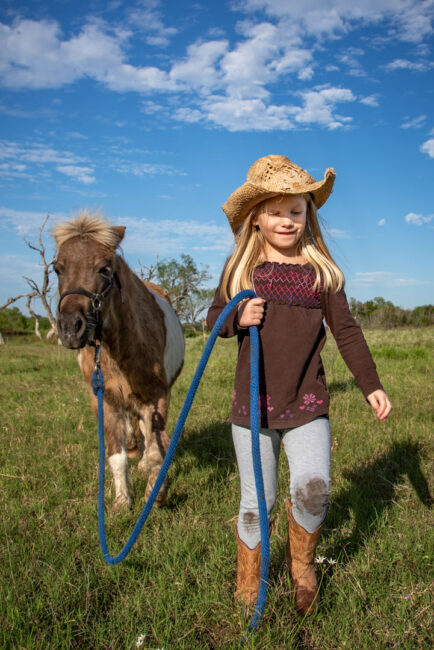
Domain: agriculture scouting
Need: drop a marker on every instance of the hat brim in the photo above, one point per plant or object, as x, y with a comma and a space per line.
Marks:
244, 199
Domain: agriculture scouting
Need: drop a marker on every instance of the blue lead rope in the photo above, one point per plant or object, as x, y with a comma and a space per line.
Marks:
98, 389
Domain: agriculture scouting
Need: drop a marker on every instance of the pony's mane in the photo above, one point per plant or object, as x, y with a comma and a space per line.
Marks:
89, 225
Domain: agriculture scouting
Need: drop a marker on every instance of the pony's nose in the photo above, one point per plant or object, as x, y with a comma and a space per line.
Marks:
72, 329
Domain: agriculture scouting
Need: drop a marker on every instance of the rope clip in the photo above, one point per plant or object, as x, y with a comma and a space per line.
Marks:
97, 355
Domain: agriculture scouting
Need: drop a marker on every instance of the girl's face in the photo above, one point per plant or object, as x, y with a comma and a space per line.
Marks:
282, 223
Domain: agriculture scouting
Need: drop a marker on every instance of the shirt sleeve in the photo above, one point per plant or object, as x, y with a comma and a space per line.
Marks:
231, 326
350, 341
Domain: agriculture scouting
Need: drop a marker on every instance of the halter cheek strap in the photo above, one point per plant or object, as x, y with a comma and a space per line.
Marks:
96, 298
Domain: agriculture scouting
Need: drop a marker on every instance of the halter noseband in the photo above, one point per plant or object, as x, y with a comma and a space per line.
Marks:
96, 300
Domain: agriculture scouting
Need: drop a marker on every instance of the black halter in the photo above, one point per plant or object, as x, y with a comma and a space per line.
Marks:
96, 300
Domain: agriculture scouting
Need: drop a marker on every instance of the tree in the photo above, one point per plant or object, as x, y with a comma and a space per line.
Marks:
41, 291
183, 281
195, 304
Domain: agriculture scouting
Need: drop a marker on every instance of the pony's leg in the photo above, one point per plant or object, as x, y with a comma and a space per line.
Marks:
114, 430
153, 428
133, 437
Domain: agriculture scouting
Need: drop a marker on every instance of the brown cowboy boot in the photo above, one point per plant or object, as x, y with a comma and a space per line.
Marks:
299, 557
248, 571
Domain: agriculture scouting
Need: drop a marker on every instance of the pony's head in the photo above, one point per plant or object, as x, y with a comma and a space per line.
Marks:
85, 269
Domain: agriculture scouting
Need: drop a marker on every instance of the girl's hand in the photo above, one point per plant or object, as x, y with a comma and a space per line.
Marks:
380, 403
252, 312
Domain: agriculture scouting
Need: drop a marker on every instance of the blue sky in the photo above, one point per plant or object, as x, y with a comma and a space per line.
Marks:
153, 112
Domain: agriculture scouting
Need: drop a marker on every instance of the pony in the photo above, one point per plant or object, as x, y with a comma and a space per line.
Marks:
142, 353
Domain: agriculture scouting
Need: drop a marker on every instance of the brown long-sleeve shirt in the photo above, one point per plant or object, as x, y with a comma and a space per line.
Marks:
293, 389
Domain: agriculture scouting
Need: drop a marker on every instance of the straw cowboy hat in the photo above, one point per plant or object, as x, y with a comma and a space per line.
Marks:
272, 176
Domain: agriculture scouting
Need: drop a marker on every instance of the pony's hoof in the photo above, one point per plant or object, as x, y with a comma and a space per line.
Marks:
122, 503
133, 453
143, 466
161, 497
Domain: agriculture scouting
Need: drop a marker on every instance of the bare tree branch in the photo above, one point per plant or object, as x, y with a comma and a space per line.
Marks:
34, 315
10, 301
147, 273
36, 292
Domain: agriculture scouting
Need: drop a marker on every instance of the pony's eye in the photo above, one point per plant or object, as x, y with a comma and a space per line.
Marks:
105, 270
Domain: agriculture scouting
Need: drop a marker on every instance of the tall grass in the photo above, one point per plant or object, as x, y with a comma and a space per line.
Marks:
175, 590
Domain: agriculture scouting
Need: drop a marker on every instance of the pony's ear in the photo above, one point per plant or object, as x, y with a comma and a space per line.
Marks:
118, 232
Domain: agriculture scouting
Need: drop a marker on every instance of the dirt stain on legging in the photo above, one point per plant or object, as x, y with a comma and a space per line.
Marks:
312, 497
250, 521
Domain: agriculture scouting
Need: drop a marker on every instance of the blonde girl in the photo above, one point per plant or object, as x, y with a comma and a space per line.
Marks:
281, 254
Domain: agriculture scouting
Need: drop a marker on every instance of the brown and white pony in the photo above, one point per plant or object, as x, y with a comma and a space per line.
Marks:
142, 350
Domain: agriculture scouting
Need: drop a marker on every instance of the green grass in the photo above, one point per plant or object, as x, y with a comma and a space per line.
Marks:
176, 587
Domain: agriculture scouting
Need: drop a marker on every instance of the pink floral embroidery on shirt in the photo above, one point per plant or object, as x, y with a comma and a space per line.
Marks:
310, 402
265, 404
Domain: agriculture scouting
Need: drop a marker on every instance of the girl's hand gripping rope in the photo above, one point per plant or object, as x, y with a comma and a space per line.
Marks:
251, 312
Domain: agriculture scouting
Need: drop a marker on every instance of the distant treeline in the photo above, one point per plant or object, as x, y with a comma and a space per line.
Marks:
383, 314
13, 322
377, 314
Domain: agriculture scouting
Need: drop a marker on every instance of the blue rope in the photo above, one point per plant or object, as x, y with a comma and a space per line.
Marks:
98, 389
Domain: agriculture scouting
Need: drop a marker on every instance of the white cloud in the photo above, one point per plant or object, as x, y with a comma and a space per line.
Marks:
149, 20
36, 152
199, 68
280, 45
428, 147
404, 64
81, 174
33, 160
349, 59
370, 100
165, 237
9, 170
246, 114
409, 20
144, 169
382, 222
336, 233
319, 105
415, 123
24, 222
418, 219
33, 55
382, 278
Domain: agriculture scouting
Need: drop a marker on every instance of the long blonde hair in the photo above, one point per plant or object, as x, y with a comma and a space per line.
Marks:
250, 252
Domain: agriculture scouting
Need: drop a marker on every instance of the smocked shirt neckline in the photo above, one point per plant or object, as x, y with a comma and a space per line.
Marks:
266, 264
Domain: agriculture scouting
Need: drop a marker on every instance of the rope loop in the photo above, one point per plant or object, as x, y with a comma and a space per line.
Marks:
98, 388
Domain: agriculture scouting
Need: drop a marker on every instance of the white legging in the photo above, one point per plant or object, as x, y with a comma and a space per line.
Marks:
308, 451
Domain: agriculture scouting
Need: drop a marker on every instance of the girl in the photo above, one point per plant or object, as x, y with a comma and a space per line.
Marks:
281, 254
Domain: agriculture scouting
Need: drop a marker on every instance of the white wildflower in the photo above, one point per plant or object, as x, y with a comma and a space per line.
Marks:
140, 641
324, 560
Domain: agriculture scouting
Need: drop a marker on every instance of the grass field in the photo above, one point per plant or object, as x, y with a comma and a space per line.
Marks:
175, 590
